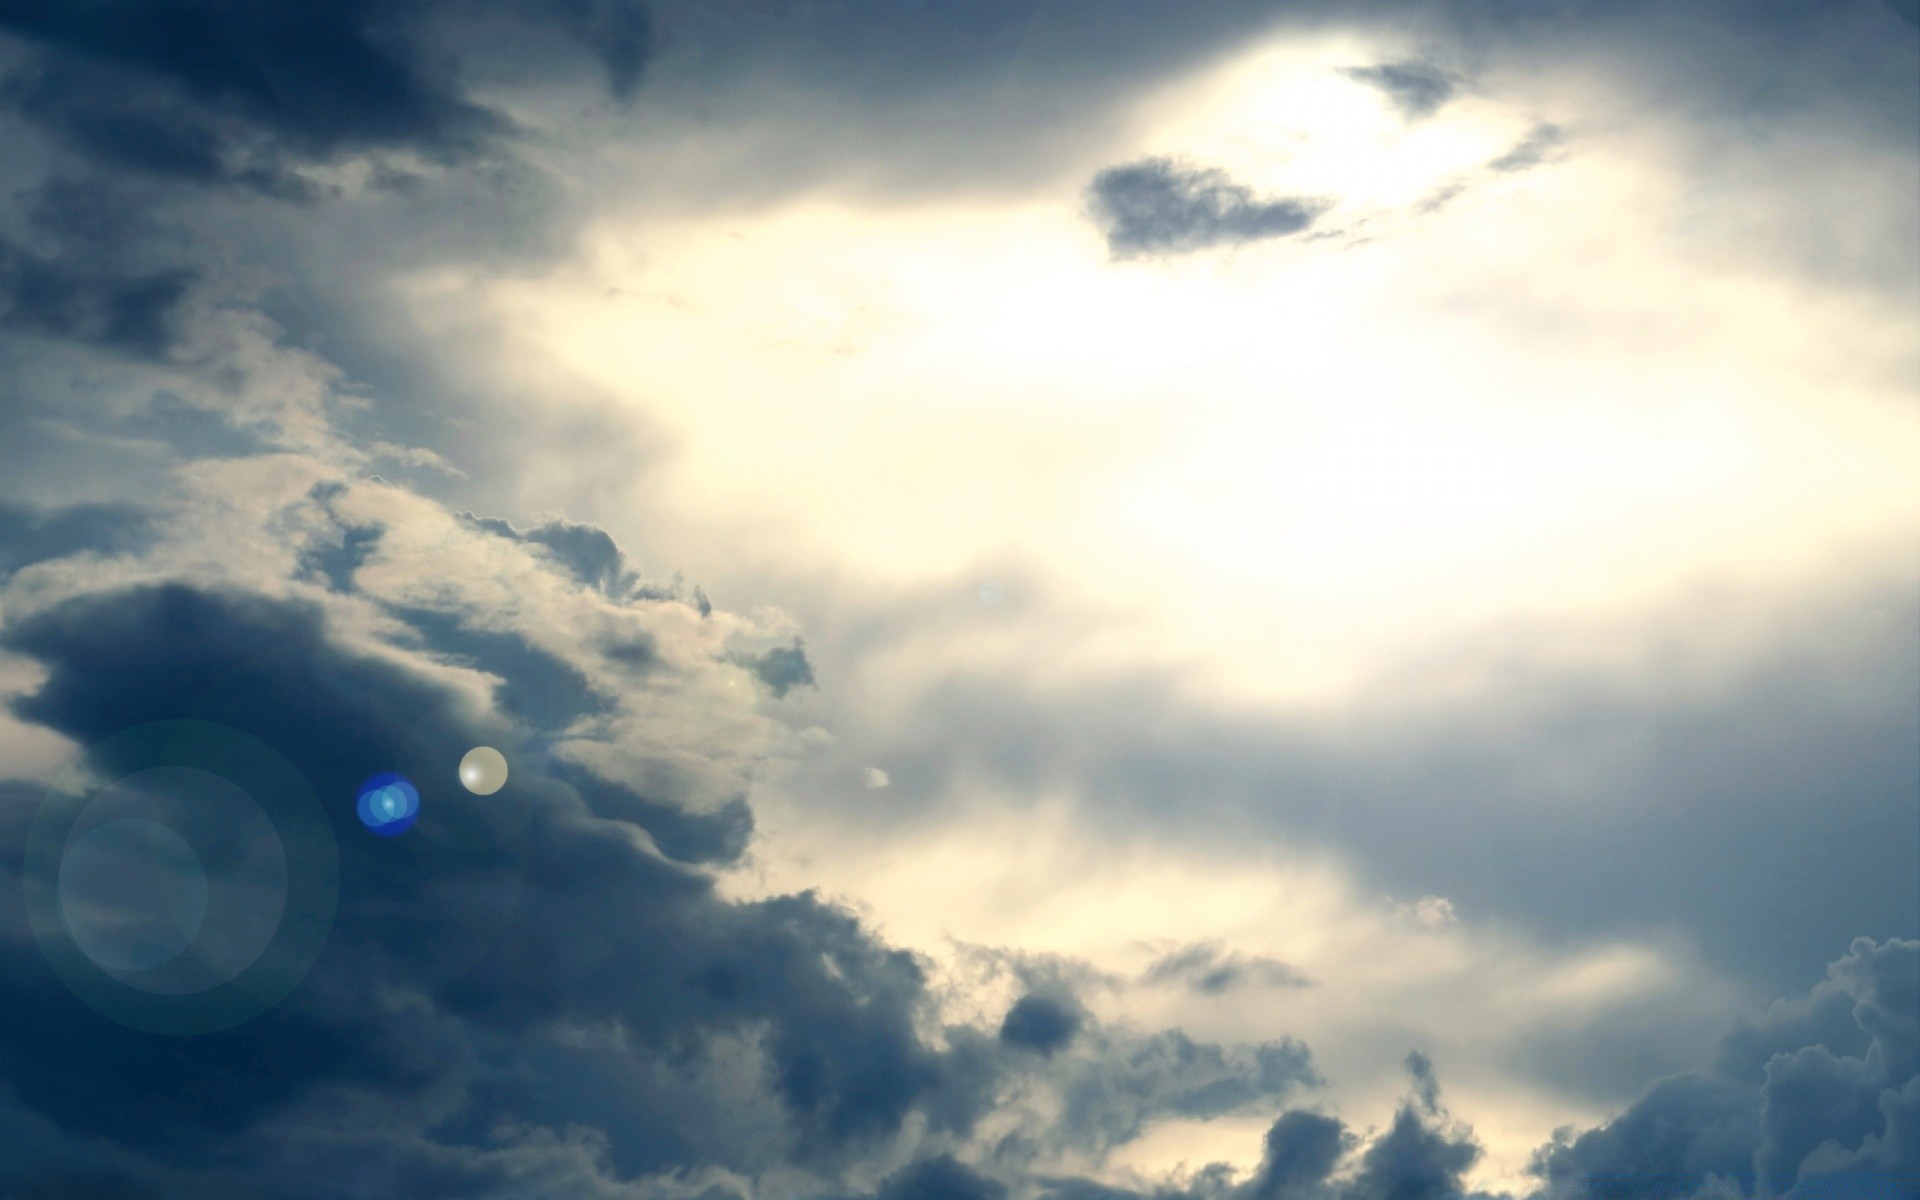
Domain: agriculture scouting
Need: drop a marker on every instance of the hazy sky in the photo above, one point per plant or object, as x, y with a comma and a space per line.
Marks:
1083, 600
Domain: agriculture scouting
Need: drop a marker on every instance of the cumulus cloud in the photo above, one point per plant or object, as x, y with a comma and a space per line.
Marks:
1816, 1120
1772, 1117
1162, 206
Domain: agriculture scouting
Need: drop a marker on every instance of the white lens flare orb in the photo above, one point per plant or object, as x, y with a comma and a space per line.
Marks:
483, 771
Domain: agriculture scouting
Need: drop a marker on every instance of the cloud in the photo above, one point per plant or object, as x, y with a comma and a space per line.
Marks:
215, 93
646, 945
587, 551
1160, 206
782, 668
1212, 969
1809, 1120
578, 1012
1531, 150
1308, 1155
1115, 1086
29, 535
568, 1009
1815, 1121
1657, 769
941, 1178
1042, 1023
1416, 88
43, 296
1299, 1152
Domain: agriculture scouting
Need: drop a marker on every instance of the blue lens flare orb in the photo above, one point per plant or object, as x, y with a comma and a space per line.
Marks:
388, 805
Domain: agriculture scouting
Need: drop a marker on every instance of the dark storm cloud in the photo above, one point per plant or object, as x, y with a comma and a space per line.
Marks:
1816, 1119
538, 686
1416, 88
210, 91
1159, 206
642, 942
572, 927
1212, 969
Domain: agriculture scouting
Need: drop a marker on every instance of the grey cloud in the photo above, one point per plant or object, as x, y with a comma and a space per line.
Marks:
586, 551
29, 535
1110, 1097
1764, 819
209, 92
782, 668
1212, 969
336, 561
940, 1178
1160, 206
1417, 89
1042, 1023
1418, 1155
1422, 1155
619, 32
1531, 150
50, 298
589, 554
1299, 1153
1813, 1120
540, 688
644, 944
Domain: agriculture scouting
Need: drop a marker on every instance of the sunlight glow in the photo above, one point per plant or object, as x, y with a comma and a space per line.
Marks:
1507, 407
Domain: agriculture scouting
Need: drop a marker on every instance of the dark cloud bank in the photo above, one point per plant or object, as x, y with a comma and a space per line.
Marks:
577, 1014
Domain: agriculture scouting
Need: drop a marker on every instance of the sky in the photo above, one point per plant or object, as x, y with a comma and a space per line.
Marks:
1080, 600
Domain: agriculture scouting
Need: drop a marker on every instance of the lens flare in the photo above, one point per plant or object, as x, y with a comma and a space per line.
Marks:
181, 877
483, 771
133, 894
388, 805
